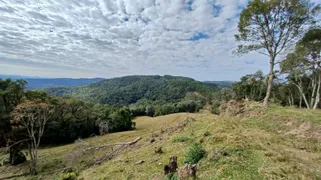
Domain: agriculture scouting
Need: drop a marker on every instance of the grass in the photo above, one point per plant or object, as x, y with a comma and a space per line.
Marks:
179, 139
283, 143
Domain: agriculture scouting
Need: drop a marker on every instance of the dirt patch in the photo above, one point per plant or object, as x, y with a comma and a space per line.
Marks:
232, 108
242, 108
306, 130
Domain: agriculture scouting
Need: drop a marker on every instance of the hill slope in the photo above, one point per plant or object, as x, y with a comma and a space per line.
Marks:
130, 89
281, 143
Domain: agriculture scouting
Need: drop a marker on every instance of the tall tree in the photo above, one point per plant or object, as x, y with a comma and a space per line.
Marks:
32, 116
268, 26
11, 94
305, 62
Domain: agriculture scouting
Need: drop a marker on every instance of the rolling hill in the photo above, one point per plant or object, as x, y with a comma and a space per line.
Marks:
131, 89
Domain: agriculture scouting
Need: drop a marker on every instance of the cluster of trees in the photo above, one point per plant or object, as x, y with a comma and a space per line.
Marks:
297, 83
192, 102
270, 27
30, 117
125, 91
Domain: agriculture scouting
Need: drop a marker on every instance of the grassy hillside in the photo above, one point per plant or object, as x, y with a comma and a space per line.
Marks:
130, 89
275, 143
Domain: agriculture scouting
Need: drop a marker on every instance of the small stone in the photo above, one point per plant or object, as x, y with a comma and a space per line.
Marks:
140, 162
67, 170
160, 164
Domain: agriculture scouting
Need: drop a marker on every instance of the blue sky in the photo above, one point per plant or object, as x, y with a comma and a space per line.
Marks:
111, 38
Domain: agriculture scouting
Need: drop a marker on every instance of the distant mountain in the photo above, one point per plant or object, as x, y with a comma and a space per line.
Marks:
41, 83
132, 89
220, 84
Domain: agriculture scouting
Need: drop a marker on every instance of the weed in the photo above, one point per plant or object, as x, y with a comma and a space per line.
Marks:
172, 176
195, 154
179, 139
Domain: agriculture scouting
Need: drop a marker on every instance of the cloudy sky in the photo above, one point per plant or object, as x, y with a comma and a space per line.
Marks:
110, 38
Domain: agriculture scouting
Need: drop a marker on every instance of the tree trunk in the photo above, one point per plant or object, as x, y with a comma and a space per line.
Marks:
270, 82
300, 105
314, 86
317, 99
303, 95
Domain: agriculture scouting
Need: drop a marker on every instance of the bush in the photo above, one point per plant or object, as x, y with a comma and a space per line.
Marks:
194, 154
68, 176
179, 139
216, 107
172, 176
207, 133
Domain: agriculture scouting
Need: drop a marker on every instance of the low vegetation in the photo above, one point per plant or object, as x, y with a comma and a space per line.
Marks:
272, 145
194, 154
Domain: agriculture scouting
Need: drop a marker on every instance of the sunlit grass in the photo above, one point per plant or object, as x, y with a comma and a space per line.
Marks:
271, 146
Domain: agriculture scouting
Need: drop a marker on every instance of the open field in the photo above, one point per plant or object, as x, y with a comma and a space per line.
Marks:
275, 143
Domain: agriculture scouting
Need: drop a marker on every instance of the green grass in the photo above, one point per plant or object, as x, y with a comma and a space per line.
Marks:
282, 143
179, 139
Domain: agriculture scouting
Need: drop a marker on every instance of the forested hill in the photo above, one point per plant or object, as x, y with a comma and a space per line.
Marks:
132, 89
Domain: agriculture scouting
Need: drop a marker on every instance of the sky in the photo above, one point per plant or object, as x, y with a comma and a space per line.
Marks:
112, 38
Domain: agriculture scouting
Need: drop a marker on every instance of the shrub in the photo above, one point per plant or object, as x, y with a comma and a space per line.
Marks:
68, 176
207, 133
179, 139
216, 107
194, 154
172, 176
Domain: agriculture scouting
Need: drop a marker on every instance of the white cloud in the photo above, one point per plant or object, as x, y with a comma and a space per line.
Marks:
109, 38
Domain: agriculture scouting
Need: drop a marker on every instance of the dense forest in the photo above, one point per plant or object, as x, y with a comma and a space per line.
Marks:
129, 90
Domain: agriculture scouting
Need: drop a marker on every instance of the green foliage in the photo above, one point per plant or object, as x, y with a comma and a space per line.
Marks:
11, 94
207, 133
172, 176
68, 176
252, 86
180, 139
261, 27
194, 154
216, 106
129, 90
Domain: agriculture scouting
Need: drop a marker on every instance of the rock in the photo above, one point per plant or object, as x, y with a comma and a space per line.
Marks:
172, 166
160, 164
187, 171
67, 170
140, 162
152, 140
